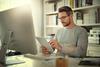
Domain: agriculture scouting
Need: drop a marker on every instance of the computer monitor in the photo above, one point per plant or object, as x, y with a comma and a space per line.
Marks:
17, 31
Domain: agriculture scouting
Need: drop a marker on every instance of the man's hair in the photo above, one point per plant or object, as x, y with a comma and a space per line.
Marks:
66, 9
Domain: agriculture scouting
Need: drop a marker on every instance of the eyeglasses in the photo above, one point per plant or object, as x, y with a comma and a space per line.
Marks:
63, 17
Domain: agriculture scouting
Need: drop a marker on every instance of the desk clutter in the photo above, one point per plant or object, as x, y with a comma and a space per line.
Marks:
90, 61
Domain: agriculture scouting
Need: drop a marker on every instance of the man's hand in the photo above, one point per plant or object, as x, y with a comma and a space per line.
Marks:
45, 51
55, 44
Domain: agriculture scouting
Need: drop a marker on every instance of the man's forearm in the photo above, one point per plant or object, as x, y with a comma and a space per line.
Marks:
69, 50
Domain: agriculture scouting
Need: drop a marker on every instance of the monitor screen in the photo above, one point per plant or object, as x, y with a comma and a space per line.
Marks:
17, 29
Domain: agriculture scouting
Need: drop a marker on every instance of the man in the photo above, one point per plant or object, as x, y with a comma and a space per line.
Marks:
71, 40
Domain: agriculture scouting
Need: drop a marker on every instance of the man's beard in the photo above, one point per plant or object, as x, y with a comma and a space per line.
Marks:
65, 24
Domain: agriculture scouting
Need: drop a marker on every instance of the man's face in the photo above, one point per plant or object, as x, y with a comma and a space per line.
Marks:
64, 18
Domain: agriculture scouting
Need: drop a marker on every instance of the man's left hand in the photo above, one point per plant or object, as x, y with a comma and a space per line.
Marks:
55, 44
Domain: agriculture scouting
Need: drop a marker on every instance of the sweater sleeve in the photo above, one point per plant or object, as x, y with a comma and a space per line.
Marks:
81, 47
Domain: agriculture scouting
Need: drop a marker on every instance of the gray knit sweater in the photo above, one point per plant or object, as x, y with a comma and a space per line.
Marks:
76, 36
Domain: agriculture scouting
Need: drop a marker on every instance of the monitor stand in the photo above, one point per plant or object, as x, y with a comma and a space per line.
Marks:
3, 53
8, 60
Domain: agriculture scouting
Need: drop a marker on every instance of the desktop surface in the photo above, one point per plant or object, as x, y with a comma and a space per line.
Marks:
29, 62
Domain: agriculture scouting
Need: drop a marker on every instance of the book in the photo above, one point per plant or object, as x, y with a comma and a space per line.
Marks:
52, 20
76, 4
79, 3
98, 15
86, 18
59, 4
83, 3
74, 17
96, 2
92, 16
88, 2
71, 3
79, 17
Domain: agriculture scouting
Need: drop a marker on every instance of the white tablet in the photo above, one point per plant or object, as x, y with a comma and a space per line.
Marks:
44, 43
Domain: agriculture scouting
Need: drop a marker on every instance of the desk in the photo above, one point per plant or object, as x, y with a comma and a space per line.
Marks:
73, 62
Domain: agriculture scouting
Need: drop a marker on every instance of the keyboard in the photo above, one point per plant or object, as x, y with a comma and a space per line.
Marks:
13, 60
90, 61
38, 57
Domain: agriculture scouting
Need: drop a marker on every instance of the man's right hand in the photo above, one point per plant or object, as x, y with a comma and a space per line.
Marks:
45, 51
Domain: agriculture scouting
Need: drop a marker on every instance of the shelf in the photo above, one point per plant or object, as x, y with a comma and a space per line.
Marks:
51, 26
52, 13
86, 7
89, 24
94, 44
77, 24
76, 9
